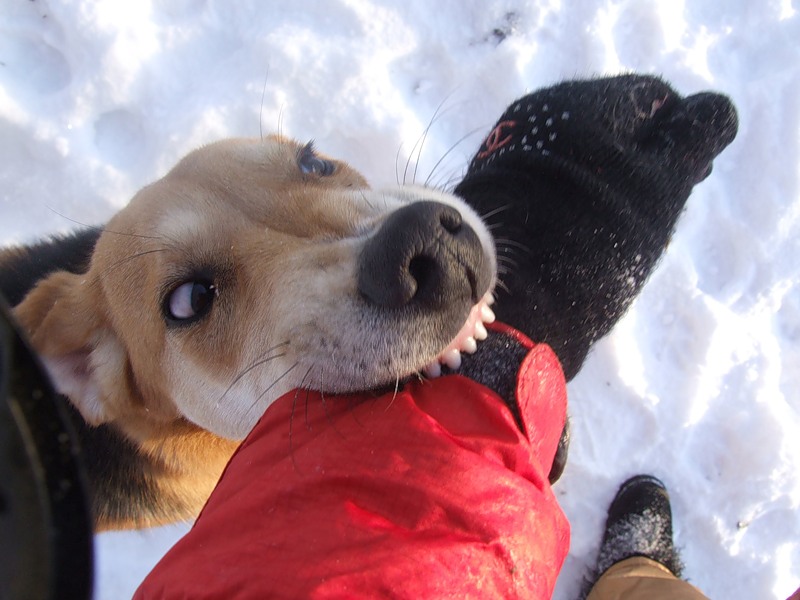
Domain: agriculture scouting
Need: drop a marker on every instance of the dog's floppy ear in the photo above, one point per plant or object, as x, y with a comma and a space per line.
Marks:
63, 319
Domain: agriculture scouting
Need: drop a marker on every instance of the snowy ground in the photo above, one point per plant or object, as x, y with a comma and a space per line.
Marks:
700, 384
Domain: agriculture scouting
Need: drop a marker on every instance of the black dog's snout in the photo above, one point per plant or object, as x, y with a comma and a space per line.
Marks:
423, 253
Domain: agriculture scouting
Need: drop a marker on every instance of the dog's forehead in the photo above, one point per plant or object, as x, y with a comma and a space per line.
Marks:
255, 178
229, 195
244, 163
273, 155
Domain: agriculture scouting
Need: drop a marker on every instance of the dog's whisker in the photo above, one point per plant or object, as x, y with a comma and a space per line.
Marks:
495, 211
305, 410
501, 284
366, 199
325, 404
300, 387
394, 395
280, 122
169, 244
508, 264
308, 390
411, 156
127, 259
396, 162
291, 426
506, 253
328, 417
408, 163
417, 148
272, 385
423, 139
260, 360
448, 185
264, 359
102, 229
507, 261
437, 114
509, 243
447, 182
261, 107
322, 393
452, 148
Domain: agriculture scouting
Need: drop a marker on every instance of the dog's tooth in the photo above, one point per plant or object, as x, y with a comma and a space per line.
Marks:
487, 314
469, 345
480, 332
452, 358
432, 370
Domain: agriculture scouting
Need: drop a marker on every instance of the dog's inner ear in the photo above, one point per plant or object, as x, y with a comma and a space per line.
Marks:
61, 318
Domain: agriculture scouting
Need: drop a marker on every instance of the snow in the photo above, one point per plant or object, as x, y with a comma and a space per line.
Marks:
699, 384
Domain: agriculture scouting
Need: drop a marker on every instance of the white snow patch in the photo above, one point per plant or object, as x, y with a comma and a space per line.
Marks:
700, 383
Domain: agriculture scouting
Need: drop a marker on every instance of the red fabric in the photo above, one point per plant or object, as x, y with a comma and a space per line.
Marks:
428, 493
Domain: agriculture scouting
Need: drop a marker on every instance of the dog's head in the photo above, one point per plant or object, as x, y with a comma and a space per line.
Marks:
252, 268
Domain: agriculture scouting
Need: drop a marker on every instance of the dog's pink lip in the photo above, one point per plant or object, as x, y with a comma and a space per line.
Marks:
466, 340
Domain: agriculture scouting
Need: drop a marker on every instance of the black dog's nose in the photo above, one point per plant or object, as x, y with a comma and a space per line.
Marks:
423, 253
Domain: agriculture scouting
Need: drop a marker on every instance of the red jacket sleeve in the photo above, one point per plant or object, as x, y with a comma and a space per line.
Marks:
430, 492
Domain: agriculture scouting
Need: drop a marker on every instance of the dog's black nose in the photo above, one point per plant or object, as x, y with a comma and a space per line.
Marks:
424, 254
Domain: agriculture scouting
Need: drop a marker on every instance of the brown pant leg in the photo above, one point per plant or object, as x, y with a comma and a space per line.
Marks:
640, 577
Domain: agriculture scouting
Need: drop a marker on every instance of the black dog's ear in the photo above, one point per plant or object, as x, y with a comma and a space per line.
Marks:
585, 181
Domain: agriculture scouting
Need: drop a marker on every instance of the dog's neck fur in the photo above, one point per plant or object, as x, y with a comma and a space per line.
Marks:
165, 480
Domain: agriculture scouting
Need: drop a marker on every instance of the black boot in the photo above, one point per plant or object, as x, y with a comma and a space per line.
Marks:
639, 524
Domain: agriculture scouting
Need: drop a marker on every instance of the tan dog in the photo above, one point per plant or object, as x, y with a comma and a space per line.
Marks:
254, 267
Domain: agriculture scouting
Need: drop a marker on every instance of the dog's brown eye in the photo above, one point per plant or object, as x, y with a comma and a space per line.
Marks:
190, 301
311, 164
